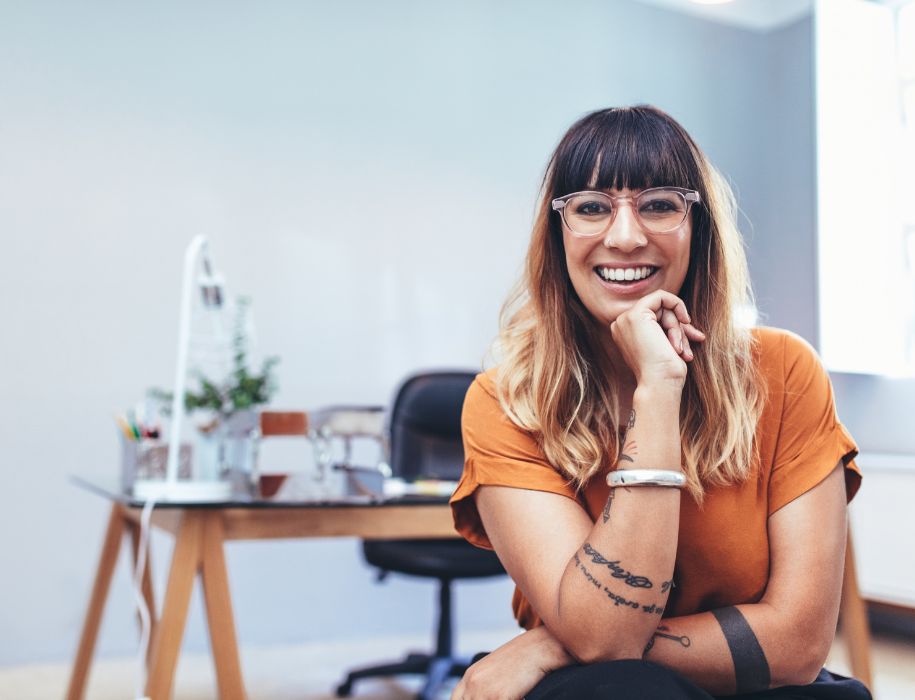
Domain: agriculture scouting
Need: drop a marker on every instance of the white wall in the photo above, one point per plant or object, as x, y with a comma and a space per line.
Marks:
366, 172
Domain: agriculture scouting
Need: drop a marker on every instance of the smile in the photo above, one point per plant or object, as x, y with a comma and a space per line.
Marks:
625, 274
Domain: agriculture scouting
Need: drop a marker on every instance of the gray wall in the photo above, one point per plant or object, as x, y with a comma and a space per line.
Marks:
125, 131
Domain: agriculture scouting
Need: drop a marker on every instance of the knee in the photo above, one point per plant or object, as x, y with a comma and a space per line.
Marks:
634, 678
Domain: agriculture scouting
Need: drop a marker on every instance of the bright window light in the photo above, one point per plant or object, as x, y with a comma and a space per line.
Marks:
865, 180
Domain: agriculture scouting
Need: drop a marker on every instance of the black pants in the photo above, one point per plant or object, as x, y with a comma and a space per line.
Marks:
644, 680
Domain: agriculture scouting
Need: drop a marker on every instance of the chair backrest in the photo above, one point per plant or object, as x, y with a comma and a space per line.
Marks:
424, 425
283, 423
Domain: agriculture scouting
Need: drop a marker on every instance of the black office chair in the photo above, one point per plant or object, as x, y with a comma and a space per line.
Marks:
425, 441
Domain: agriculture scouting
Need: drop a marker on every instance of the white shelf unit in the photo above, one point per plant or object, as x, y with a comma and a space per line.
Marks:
884, 529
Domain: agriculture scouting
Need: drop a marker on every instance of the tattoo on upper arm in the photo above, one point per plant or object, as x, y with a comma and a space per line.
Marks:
751, 668
617, 571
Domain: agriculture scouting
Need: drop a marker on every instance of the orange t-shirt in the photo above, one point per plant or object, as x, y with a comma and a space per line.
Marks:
723, 549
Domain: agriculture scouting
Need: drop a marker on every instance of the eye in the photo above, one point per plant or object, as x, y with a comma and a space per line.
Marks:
590, 206
659, 204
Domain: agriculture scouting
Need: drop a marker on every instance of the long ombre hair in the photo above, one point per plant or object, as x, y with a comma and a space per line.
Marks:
552, 374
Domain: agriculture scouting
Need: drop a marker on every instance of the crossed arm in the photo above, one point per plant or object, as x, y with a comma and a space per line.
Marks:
591, 589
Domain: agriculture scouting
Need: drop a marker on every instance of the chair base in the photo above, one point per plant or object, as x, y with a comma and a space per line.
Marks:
436, 669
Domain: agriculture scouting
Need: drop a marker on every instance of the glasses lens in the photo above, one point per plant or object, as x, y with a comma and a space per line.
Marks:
661, 210
588, 214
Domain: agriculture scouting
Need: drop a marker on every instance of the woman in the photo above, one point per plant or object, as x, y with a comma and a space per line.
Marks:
667, 489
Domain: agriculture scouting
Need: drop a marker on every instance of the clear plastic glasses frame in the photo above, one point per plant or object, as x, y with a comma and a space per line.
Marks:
661, 221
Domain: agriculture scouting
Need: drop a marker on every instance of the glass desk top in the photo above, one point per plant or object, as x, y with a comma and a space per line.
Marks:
109, 488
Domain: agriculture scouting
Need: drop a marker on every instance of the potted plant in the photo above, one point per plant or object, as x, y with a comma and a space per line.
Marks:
226, 409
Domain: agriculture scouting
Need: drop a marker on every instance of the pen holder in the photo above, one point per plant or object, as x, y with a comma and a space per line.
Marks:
148, 460
228, 449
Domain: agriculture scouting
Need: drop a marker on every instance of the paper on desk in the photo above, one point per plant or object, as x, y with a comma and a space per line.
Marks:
420, 487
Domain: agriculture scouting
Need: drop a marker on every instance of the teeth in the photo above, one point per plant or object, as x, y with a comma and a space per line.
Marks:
628, 274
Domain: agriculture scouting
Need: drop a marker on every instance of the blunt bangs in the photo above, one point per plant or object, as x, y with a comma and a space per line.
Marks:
634, 147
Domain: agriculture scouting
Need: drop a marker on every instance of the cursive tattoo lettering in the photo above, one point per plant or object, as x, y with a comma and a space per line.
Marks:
593, 581
620, 600
617, 571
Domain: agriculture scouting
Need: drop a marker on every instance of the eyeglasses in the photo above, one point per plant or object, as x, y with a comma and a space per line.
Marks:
658, 210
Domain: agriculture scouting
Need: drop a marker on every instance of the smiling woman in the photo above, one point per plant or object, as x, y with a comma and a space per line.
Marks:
623, 379
573, 279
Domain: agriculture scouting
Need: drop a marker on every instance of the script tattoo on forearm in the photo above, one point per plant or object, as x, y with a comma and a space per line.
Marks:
617, 570
618, 600
751, 669
584, 569
664, 633
629, 448
606, 513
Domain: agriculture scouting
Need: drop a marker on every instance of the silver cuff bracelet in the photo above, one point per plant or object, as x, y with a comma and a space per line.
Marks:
646, 477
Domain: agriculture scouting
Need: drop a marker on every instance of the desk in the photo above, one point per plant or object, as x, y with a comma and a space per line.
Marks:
200, 531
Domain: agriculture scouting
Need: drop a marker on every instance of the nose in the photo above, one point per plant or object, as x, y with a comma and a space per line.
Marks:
625, 234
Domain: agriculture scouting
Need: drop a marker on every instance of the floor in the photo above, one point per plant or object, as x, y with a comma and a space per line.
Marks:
310, 672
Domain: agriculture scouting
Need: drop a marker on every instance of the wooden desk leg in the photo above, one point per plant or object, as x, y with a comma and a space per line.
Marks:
107, 561
170, 630
134, 529
853, 613
223, 641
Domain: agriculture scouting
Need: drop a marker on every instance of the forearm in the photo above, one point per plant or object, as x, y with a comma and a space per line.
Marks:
620, 578
512, 670
744, 648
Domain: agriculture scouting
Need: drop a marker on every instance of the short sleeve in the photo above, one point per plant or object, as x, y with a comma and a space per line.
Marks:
811, 440
497, 453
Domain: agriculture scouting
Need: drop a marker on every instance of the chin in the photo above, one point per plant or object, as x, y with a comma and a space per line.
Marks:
609, 315
604, 317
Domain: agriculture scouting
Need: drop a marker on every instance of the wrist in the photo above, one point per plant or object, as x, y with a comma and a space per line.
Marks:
552, 654
658, 394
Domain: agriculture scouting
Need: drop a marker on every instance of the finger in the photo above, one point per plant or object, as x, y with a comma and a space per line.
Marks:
667, 318
670, 323
675, 336
661, 299
693, 333
687, 350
